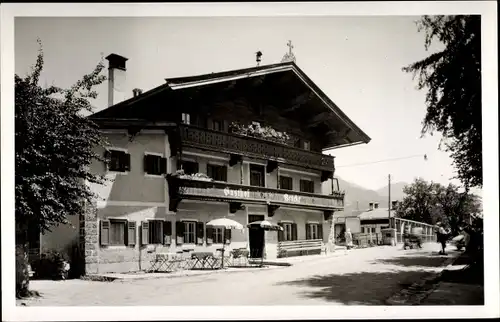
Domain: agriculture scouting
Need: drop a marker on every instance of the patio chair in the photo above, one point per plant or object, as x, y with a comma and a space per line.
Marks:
227, 260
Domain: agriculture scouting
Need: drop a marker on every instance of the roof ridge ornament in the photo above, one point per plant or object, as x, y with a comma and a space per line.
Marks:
289, 56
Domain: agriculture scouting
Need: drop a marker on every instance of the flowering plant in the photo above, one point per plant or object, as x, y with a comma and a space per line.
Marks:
195, 176
265, 132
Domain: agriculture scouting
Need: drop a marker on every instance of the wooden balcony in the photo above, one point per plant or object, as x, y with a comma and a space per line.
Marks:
205, 139
237, 194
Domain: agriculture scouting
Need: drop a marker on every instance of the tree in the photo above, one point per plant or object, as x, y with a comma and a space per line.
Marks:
433, 202
452, 78
419, 203
54, 147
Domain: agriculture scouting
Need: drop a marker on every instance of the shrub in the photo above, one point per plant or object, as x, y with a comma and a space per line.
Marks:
51, 265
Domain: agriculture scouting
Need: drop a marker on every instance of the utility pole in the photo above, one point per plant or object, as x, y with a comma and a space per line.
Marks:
389, 202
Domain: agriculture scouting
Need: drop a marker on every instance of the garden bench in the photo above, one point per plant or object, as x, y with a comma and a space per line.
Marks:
301, 246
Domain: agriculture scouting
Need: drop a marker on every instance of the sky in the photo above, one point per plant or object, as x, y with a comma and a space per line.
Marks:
356, 61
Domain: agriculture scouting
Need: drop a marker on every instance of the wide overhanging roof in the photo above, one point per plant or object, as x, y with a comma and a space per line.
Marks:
299, 97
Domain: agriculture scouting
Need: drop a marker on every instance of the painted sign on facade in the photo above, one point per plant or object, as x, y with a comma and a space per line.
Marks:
277, 197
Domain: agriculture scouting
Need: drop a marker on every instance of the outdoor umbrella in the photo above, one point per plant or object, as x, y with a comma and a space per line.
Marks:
225, 223
265, 225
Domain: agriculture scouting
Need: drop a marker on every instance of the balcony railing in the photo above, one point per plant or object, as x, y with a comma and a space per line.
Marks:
253, 147
222, 191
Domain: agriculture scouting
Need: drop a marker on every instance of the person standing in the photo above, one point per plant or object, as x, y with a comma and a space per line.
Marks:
442, 237
348, 239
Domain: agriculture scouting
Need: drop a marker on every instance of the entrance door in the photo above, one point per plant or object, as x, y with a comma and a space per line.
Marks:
256, 237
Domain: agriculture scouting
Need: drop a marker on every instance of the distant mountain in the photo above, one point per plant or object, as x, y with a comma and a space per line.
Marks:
396, 190
358, 197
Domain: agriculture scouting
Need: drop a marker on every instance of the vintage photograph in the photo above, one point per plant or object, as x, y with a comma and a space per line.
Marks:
249, 161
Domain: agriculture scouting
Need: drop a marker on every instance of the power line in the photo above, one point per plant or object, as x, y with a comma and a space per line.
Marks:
385, 160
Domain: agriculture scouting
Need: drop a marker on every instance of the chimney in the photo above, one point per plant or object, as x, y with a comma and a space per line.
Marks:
137, 92
116, 79
371, 205
394, 204
375, 205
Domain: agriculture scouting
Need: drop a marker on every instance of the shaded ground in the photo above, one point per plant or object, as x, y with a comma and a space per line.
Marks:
459, 286
358, 288
361, 277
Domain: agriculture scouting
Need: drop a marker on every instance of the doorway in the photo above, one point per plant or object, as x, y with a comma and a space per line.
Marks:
255, 237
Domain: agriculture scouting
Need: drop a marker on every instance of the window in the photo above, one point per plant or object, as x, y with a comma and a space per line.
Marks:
306, 145
156, 231
155, 164
217, 235
189, 167
113, 232
287, 231
313, 231
189, 232
118, 161
286, 183
217, 172
307, 186
257, 175
216, 125
373, 230
186, 118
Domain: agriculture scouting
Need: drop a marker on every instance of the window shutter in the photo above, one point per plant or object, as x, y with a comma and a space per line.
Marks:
225, 126
126, 162
167, 232
294, 231
163, 166
280, 233
320, 231
200, 233
210, 237
227, 236
146, 163
210, 124
179, 232
105, 224
145, 233
131, 229
308, 231
224, 173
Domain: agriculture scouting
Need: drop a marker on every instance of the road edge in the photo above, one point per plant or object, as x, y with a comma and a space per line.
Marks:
413, 295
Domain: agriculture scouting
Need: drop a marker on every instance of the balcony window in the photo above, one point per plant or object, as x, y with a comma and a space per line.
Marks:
186, 118
286, 183
306, 145
257, 175
216, 125
189, 167
217, 172
307, 186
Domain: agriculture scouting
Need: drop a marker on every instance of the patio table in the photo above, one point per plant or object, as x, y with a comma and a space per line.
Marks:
165, 261
203, 260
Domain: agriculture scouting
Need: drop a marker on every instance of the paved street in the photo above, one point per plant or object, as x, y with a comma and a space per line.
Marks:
361, 277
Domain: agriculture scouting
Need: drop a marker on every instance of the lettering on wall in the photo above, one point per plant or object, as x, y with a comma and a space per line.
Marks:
268, 196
